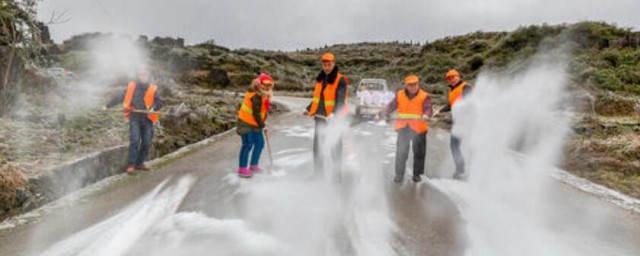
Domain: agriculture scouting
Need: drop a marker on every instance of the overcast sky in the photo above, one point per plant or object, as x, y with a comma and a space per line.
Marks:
297, 24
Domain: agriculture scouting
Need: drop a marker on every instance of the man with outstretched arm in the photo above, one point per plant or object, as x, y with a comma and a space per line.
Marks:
139, 102
458, 89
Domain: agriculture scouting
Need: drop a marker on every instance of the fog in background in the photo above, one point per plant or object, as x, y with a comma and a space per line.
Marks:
296, 24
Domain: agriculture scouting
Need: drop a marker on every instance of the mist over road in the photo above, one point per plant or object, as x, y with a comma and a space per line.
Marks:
196, 205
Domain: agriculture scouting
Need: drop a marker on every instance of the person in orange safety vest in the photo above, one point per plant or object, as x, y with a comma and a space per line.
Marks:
414, 110
458, 89
252, 116
143, 96
329, 103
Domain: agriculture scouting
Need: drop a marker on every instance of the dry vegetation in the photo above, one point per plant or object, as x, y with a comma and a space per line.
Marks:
13, 182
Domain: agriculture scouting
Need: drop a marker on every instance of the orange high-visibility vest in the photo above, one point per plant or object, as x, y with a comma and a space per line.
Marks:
456, 94
329, 98
410, 112
149, 98
245, 114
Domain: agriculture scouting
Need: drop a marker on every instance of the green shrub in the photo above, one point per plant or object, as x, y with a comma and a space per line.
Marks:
527, 36
628, 74
476, 62
242, 79
478, 46
610, 80
611, 57
432, 78
596, 34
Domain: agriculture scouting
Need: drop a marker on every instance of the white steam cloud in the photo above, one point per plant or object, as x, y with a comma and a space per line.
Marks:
513, 129
112, 59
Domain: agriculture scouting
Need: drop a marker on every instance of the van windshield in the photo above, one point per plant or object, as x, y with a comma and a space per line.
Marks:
374, 86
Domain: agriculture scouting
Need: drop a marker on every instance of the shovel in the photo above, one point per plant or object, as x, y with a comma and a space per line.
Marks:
137, 111
266, 137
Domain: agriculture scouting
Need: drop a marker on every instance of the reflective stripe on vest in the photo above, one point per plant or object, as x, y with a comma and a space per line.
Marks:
250, 110
456, 94
149, 99
410, 112
409, 116
329, 98
245, 114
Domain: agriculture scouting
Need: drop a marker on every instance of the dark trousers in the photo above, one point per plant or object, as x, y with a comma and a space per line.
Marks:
326, 158
406, 136
140, 138
457, 154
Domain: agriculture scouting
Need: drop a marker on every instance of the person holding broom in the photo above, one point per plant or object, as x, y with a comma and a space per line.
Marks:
414, 110
458, 90
140, 102
329, 103
251, 123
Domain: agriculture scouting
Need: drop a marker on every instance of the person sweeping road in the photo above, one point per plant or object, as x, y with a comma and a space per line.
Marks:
414, 110
252, 116
458, 89
329, 105
140, 102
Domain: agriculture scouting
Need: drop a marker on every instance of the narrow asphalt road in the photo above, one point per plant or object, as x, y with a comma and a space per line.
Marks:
196, 205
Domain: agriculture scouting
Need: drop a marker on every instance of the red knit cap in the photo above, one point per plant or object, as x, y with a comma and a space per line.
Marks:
265, 79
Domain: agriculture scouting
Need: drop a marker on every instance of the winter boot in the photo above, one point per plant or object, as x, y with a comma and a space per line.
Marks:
416, 178
255, 169
130, 169
459, 175
244, 172
398, 179
143, 168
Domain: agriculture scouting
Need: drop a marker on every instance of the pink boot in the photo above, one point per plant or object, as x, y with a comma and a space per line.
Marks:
244, 172
255, 169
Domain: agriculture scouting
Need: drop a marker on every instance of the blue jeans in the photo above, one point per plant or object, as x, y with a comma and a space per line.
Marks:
251, 140
140, 138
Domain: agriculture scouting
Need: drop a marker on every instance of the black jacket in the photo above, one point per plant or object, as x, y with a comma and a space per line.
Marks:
341, 92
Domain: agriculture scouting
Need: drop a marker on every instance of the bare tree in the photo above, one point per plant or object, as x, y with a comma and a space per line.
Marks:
58, 18
19, 37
